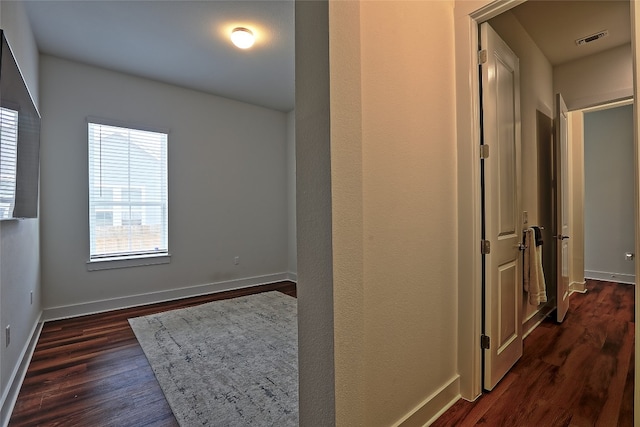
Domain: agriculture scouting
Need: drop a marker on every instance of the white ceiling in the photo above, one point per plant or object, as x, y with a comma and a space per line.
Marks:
180, 42
187, 42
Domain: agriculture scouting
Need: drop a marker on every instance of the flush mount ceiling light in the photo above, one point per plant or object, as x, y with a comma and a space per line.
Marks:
242, 37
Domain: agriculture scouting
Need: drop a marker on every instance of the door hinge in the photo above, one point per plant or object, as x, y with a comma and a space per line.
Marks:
485, 247
485, 342
484, 151
482, 56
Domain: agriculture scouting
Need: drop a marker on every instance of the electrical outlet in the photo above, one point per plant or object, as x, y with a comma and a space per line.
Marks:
236, 260
7, 336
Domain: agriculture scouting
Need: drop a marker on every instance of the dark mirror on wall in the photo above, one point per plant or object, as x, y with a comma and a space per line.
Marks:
19, 141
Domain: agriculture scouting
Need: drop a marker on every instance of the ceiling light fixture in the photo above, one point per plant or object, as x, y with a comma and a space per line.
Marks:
242, 37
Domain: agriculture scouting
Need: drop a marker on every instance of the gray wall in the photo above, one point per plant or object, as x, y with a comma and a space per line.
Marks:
19, 240
227, 189
313, 211
609, 194
291, 192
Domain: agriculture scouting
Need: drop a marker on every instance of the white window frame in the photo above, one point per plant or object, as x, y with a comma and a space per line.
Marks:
102, 262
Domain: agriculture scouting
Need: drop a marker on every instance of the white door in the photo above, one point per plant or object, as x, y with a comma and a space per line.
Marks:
561, 233
502, 340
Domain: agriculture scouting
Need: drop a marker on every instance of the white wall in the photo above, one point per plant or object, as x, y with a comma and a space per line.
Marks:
291, 193
596, 79
609, 190
19, 240
227, 188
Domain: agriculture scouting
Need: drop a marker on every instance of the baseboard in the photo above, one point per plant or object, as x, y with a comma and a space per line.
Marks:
93, 307
10, 396
293, 277
580, 287
536, 318
433, 406
629, 279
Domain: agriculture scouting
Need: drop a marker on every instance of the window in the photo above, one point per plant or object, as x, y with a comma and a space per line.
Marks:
133, 215
127, 193
104, 218
8, 161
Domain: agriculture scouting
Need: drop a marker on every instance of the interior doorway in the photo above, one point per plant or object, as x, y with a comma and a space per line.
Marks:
609, 186
467, 19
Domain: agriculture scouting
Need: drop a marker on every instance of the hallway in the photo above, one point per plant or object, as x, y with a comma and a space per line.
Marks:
579, 373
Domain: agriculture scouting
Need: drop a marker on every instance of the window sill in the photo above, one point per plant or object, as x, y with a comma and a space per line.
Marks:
124, 262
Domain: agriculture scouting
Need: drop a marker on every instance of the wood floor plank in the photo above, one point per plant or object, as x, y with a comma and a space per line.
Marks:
577, 373
465, 414
561, 345
626, 407
619, 347
540, 343
533, 403
91, 370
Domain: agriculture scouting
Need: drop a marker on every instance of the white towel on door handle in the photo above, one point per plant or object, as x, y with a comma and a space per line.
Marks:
534, 283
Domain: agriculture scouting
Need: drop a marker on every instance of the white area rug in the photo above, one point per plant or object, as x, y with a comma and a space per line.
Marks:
227, 363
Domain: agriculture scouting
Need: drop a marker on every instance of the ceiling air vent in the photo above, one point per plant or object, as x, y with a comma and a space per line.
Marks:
592, 37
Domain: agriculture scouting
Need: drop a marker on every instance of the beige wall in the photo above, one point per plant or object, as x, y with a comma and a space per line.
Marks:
348, 216
596, 79
392, 212
388, 290
409, 205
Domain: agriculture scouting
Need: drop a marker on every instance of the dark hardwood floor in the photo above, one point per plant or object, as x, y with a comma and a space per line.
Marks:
90, 371
578, 373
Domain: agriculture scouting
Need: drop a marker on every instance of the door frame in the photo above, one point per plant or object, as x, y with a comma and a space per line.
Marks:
467, 16
635, 52
562, 208
502, 311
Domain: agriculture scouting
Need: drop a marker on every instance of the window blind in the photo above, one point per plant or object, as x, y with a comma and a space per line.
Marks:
8, 161
128, 200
